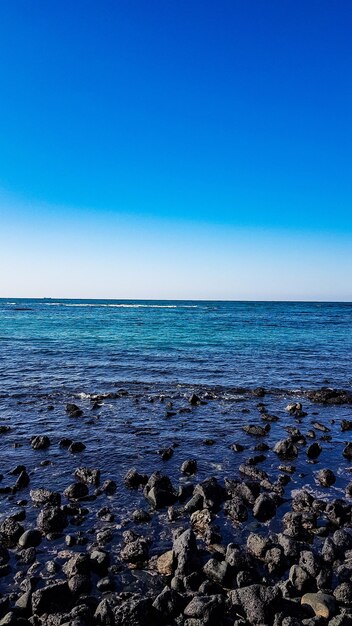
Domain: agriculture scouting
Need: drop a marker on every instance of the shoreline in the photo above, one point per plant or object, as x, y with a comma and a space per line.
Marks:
235, 508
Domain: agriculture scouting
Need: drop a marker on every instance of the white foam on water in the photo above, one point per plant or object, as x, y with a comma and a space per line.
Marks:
124, 306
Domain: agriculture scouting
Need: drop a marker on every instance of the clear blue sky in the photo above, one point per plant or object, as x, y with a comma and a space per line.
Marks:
185, 148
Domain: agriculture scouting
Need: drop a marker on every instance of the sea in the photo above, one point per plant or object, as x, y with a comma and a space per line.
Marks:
83, 345
132, 366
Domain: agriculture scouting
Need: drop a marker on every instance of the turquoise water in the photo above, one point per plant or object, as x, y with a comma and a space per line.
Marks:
51, 344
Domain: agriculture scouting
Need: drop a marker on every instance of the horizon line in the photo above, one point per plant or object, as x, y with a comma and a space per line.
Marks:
302, 301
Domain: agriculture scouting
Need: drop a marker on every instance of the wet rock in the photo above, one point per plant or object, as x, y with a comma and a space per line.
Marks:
165, 453
65, 442
194, 399
169, 604
40, 442
237, 559
314, 450
255, 601
285, 449
73, 410
236, 509
295, 408
275, 560
204, 610
321, 427
300, 579
200, 521
133, 479
10, 532
88, 475
247, 491
141, 516
254, 473
257, 545
346, 425
76, 446
325, 477
322, 604
44, 496
135, 552
330, 396
189, 467
51, 599
237, 447
30, 538
264, 507
51, 519
76, 491
159, 491
255, 430
109, 487
343, 593
347, 452
309, 562
217, 571
99, 562
22, 481
342, 539
135, 611
212, 493
79, 585
185, 553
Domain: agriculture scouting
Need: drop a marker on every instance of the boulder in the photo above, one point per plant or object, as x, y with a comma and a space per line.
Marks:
51, 599
264, 507
322, 604
325, 477
159, 491
256, 602
285, 449
51, 519
88, 475
75, 491
185, 553
133, 479
30, 538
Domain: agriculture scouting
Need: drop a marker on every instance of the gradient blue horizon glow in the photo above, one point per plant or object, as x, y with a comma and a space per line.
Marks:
185, 149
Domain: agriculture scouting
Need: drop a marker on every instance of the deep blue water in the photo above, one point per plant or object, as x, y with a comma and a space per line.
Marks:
50, 344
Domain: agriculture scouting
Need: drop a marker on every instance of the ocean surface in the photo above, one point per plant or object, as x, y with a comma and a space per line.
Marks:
131, 368
83, 345
144, 360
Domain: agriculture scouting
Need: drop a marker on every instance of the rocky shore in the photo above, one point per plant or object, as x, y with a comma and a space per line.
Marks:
263, 539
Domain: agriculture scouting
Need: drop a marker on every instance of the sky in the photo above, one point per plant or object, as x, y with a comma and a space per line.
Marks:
176, 149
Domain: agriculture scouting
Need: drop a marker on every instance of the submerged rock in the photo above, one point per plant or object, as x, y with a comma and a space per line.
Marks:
256, 430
